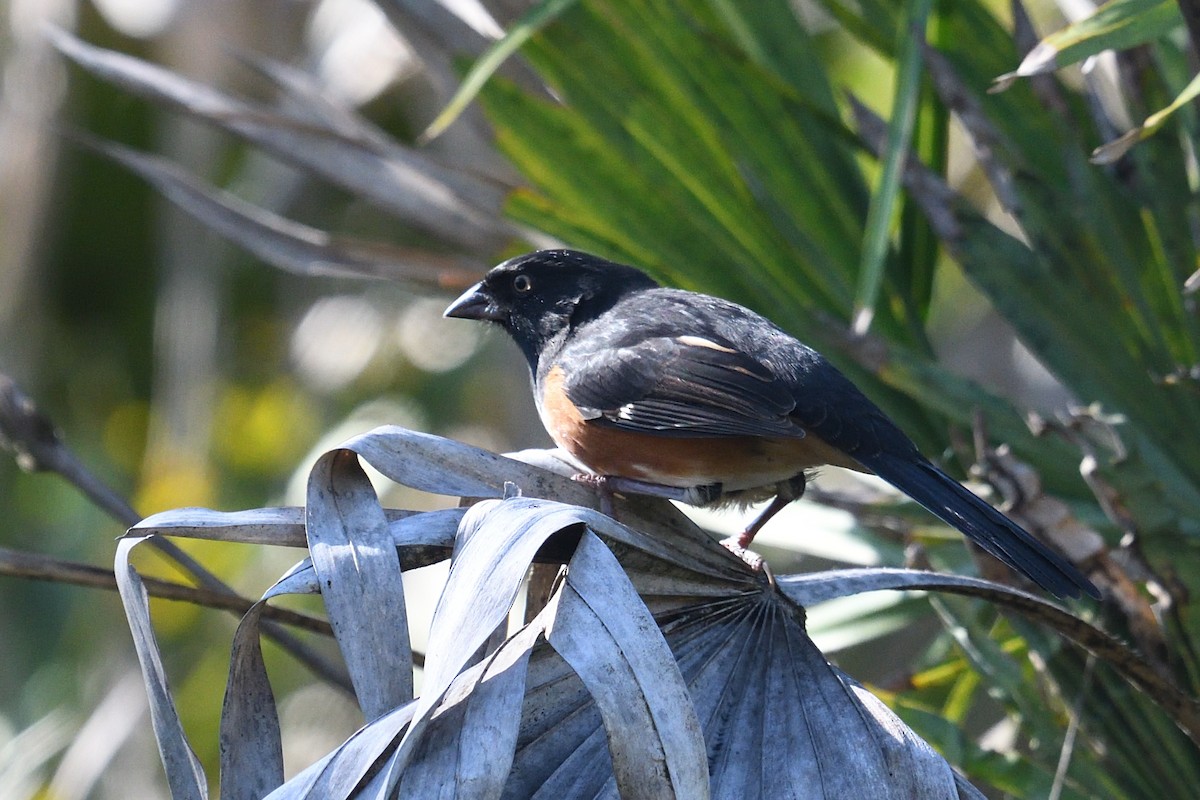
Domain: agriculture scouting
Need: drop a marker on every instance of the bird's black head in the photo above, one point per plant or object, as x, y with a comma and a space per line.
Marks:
539, 297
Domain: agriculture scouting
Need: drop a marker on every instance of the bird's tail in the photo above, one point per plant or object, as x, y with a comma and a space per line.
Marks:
955, 505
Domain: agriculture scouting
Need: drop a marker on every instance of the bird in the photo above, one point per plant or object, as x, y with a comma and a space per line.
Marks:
668, 392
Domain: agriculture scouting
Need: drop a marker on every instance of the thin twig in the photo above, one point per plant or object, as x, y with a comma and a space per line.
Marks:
35, 566
1068, 745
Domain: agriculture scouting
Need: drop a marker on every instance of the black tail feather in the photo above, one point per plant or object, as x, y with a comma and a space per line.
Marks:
955, 505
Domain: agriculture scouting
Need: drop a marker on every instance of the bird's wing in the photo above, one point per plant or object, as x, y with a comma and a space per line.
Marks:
830, 406
680, 386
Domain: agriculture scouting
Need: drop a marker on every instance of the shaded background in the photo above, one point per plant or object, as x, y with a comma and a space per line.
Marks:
184, 372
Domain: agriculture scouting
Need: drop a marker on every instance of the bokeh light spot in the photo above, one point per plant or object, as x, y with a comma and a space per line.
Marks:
432, 343
336, 340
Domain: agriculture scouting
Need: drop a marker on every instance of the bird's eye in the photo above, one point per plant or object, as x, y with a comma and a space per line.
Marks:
522, 283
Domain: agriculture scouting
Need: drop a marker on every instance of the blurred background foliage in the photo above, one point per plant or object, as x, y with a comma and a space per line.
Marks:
715, 144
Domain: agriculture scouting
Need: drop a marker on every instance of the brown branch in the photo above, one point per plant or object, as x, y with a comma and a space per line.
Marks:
18, 564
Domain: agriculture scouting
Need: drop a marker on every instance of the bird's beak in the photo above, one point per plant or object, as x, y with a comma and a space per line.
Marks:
475, 303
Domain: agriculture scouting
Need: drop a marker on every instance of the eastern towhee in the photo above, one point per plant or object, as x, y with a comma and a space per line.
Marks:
668, 392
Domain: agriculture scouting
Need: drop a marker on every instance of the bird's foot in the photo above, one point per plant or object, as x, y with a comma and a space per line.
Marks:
786, 492
738, 546
603, 487
608, 485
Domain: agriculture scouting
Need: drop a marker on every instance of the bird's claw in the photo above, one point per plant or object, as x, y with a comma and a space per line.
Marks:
602, 484
608, 485
757, 563
590, 479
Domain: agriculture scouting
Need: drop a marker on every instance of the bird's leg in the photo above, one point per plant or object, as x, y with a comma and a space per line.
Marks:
608, 485
739, 545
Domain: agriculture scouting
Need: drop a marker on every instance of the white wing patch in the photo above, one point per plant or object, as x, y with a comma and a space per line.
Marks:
700, 341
